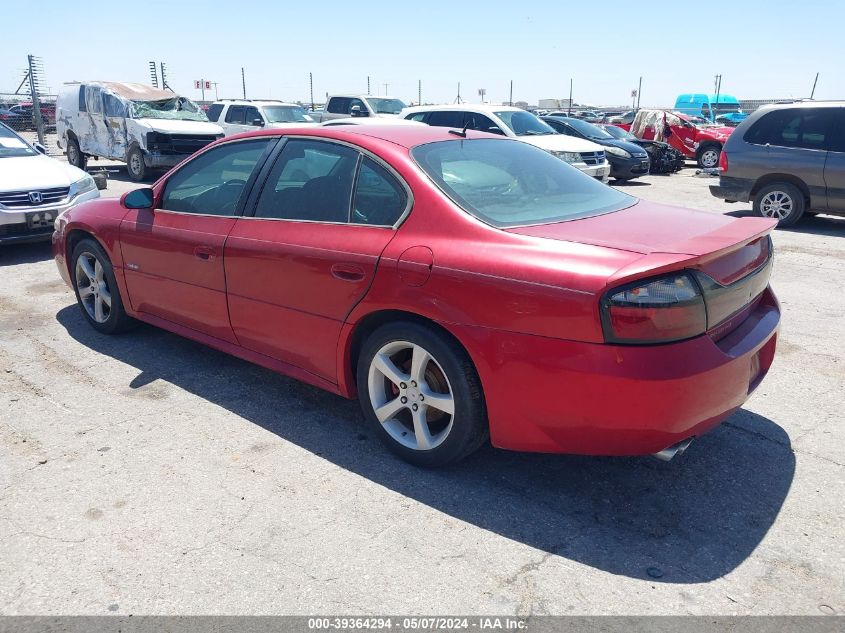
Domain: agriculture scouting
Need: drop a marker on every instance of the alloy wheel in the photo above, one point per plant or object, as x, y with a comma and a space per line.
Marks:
93, 289
411, 395
709, 158
776, 205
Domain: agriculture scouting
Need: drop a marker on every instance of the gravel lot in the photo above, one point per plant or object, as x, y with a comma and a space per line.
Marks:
146, 474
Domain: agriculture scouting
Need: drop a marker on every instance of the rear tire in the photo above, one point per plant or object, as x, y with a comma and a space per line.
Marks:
74, 155
138, 170
421, 395
780, 201
707, 157
96, 289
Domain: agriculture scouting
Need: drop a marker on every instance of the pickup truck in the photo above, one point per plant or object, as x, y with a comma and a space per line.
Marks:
695, 138
344, 106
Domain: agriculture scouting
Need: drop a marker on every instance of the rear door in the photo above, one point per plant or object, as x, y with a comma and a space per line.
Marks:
173, 255
834, 169
306, 250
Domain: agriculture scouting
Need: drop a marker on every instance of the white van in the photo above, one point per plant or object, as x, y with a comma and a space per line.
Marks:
146, 127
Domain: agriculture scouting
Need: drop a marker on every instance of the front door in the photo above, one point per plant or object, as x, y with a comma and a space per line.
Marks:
173, 255
306, 251
834, 168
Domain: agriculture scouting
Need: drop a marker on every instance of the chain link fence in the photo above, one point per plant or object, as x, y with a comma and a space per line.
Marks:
18, 112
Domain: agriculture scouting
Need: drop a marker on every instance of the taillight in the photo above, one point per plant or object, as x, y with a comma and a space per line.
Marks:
661, 310
723, 161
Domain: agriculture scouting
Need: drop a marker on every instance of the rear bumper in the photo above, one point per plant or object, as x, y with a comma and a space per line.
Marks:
550, 395
732, 189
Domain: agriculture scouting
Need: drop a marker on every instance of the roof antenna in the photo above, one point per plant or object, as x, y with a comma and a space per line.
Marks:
463, 132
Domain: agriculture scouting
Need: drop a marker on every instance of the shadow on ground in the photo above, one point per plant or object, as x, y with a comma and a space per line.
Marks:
828, 225
689, 521
14, 254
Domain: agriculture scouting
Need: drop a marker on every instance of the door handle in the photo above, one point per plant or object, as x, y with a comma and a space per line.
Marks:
348, 272
204, 252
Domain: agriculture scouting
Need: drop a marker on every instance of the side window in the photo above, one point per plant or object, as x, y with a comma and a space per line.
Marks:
837, 134
379, 199
338, 105
483, 123
356, 102
419, 116
212, 183
806, 128
93, 99
112, 106
251, 113
214, 111
235, 115
448, 118
82, 107
311, 180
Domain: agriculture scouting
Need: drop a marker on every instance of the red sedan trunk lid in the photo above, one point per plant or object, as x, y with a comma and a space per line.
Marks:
647, 227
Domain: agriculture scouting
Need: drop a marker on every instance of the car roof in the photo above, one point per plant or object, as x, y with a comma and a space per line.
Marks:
406, 136
466, 107
261, 102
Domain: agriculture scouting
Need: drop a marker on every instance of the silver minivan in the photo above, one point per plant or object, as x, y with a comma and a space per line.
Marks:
788, 159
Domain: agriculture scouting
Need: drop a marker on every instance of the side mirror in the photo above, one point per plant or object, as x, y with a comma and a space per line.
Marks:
357, 111
258, 122
494, 129
139, 199
39, 148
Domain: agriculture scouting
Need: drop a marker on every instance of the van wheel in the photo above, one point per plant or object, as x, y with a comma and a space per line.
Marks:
780, 201
138, 171
708, 157
74, 155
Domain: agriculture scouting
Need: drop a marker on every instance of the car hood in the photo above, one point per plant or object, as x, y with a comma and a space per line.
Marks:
26, 173
561, 143
647, 228
175, 126
628, 146
720, 132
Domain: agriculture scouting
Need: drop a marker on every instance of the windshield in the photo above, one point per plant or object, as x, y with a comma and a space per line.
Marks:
524, 123
285, 114
588, 129
12, 145
506, 183
179, 108
618, 132
386, 106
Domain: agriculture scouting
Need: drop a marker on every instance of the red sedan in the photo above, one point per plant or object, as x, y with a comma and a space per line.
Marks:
461, 285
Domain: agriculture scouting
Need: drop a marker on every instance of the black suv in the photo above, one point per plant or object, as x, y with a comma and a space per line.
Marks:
788, 159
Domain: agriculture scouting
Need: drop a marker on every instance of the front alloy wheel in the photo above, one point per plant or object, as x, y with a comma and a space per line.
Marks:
93, 289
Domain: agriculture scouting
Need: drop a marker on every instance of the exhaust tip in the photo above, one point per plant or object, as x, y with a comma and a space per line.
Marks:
676, 449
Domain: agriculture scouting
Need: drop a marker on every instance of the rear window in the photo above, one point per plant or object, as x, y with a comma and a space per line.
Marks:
507, 183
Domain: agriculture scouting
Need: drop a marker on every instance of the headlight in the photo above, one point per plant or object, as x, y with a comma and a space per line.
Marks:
569, 157
617, 151
83, 185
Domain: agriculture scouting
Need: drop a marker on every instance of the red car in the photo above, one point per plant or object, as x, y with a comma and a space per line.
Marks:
459, 284
696, 138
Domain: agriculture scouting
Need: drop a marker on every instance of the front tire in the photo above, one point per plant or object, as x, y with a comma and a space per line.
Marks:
780, 201
96, 289
421, 395
74, 155
708, 157
138, 170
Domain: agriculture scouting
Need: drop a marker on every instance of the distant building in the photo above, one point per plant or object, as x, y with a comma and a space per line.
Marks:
553, 104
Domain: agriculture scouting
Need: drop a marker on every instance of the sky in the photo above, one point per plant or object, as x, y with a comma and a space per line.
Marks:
762, 49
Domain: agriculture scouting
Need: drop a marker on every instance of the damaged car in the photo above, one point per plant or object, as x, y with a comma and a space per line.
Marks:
663, 158
145, 127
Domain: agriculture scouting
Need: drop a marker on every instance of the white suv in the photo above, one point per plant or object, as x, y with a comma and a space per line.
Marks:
243, 115
587, 156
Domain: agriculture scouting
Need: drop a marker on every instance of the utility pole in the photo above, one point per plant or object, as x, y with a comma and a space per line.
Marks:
153, 74
639, 94
385, 88
34, 67
815, 81
243, 81
214, 83
202, 87
716, 104
311, 84
569, 111
458, 98
164, 85
419, 91
368, 84
510, 100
